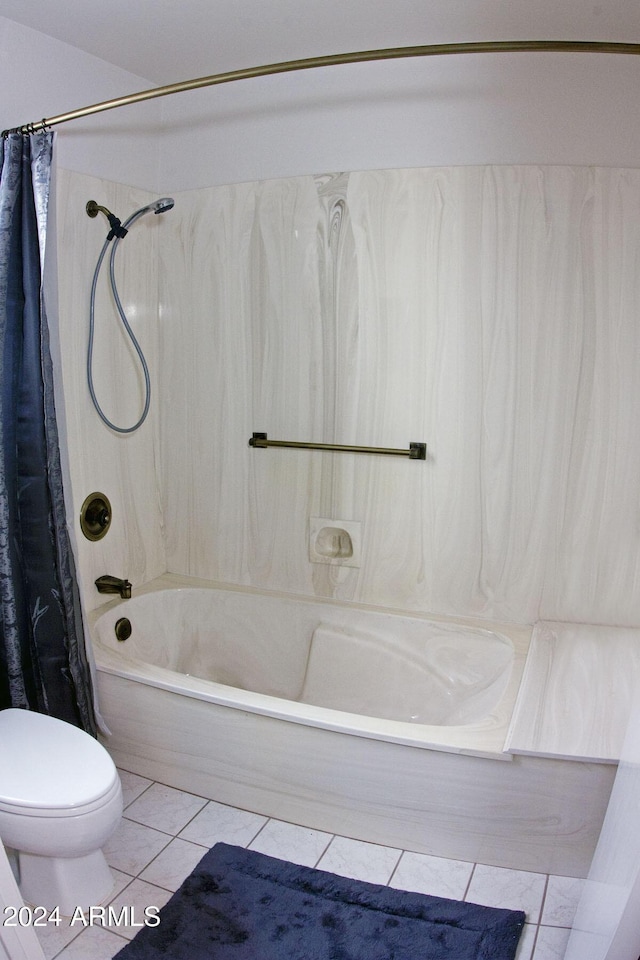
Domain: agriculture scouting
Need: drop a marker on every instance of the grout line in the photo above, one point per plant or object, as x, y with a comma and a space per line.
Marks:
197, 814
539, 921
395, 868
137, 797
535, 942
393, 872
73, 939
544, 899
144, 789
260, 829
140, 877
328, 846
466, 890
329, 842
139, 823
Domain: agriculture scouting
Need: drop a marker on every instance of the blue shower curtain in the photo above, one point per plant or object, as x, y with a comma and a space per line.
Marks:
43, 664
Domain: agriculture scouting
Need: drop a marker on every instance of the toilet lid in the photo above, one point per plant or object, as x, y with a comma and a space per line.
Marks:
48, 764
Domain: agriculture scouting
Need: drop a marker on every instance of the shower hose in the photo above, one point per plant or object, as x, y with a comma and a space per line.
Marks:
130, 333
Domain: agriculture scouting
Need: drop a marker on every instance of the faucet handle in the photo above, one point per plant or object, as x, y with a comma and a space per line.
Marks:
95, 516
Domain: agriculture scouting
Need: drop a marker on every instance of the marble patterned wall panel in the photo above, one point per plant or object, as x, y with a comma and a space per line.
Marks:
125, 468
487, 311
598, 519
241, 336
418, 381
530, 353
531, 316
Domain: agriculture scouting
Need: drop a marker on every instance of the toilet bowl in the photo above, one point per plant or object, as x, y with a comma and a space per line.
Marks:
60, 801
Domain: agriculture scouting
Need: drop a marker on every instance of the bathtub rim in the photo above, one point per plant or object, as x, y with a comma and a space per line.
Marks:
484, 738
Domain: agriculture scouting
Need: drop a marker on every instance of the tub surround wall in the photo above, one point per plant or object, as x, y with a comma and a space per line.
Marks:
489, 311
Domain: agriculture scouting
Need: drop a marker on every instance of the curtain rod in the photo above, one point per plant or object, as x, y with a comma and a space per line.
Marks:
389, 53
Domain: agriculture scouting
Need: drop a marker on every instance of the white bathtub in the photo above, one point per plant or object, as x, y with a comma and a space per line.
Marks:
343, 717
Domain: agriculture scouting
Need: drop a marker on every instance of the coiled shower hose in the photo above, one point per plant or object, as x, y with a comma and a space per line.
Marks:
123, 317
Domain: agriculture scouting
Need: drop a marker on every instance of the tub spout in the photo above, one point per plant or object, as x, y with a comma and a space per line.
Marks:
109, 584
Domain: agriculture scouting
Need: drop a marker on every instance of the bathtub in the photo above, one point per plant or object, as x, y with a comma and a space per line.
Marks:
343, 717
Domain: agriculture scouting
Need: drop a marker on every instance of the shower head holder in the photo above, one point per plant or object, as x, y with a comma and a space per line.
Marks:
117, 230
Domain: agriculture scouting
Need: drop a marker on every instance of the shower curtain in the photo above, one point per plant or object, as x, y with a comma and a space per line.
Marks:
43, 664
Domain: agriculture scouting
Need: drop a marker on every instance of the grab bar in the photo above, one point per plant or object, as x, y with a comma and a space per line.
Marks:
416, 451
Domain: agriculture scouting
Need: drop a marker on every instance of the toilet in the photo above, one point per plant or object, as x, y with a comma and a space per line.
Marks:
60, 801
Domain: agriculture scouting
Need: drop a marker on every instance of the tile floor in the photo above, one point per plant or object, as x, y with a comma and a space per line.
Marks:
165, 832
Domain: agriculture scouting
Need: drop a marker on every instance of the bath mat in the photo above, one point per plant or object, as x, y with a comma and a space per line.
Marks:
242, 905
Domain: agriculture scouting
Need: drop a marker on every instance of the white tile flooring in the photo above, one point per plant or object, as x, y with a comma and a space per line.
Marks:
165, 832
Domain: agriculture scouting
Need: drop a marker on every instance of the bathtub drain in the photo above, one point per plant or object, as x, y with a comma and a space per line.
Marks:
123, 628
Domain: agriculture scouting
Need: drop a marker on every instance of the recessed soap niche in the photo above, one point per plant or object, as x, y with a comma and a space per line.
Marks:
334, 541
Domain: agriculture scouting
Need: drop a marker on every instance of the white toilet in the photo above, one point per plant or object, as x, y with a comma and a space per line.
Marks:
60, 801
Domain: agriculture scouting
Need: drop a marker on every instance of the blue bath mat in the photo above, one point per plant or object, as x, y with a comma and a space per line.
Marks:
242, 905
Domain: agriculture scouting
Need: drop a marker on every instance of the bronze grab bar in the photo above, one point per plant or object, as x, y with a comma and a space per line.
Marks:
416, 451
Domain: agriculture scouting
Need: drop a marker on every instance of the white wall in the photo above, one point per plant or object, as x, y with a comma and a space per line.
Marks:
542, 108
42, 77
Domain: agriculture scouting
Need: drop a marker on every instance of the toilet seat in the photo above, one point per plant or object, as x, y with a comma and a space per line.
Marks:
58, 813
51, 768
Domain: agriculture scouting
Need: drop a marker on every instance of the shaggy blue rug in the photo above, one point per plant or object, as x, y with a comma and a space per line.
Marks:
242, 905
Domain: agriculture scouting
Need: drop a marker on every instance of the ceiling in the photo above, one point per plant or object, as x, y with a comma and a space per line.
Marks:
165, 41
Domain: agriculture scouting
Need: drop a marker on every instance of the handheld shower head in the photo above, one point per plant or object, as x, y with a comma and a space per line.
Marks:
158, 206
120, 230
161, 206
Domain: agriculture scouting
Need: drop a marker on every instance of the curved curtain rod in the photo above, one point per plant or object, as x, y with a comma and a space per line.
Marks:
389, 53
